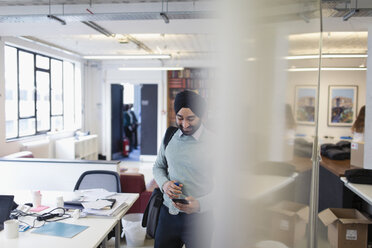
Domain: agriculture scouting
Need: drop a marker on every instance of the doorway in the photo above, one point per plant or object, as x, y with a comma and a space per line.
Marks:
132, 120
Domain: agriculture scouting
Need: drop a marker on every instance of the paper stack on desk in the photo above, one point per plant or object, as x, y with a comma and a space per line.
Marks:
100, 204
87, 195
120, 204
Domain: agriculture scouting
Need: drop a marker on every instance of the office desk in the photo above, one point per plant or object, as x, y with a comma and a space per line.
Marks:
261, 187
364, 191
332, 191
99, 226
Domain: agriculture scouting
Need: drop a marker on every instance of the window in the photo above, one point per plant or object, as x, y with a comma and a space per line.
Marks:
39, 89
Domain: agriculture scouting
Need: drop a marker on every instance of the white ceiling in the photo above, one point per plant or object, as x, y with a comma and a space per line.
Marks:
180, 46
188, 37
46, 2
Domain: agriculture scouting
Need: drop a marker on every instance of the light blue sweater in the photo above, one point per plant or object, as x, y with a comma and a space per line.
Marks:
189, 162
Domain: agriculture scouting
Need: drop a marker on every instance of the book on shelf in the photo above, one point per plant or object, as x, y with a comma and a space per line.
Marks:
187, 73
177, 83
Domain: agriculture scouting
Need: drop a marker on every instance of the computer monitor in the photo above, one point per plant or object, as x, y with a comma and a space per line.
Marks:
6, 204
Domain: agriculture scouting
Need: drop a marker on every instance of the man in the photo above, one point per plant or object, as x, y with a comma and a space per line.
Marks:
134, 126
184, 168
128, 126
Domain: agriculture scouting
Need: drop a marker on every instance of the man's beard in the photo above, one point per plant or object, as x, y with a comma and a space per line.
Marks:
190, 130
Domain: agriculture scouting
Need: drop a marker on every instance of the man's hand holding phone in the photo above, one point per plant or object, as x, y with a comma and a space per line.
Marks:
180, 201
191, 207
173, 189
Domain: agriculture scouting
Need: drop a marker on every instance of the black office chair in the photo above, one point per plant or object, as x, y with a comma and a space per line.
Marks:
108, 180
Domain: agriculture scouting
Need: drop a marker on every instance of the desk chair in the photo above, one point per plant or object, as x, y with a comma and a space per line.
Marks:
108, 180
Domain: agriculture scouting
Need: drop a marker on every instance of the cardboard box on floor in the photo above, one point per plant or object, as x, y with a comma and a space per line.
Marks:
289, 222
347, 228
357, 154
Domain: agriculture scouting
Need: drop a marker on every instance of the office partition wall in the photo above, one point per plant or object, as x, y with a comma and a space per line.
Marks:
149, 119
117, 125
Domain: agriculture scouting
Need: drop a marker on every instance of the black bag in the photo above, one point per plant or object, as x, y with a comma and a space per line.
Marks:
151, 215
362, 176
338, 151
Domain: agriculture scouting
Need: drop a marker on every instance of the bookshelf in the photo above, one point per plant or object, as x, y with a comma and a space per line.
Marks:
196, 79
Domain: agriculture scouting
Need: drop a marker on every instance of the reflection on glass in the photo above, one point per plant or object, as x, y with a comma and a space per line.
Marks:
11, 92
42, 62
27, 127
56, 87
42, 101
69, 94
26, 84
78, 99
11, 127
57, 123
265, 166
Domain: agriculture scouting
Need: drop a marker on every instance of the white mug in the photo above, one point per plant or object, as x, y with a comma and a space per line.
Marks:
36, 199
59, 202
11, 229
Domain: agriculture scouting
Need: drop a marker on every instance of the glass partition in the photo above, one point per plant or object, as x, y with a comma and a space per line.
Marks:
342, 94
267, 178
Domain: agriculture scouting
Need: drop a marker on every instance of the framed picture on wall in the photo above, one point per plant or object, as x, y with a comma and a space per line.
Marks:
342, 105
305, 104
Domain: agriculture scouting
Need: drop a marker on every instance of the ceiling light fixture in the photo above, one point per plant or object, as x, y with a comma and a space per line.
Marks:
50, 16
98, 28
164, 14
327, 56
63, 22
329, 69
151, 68
352, 12
144, 56
250, 59
165, 17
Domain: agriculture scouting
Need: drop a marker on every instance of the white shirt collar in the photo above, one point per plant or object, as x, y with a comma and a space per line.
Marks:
197, 133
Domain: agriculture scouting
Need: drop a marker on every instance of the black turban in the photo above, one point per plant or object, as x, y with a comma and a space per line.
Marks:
191, 100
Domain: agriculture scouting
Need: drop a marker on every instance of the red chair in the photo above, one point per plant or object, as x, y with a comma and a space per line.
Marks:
135, 183
22, 154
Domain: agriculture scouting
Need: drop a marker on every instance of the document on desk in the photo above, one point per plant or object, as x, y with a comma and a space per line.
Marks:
100, 204
87, 195
60, 229
120, 204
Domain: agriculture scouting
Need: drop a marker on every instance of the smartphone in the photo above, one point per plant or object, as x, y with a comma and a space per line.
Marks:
182, 201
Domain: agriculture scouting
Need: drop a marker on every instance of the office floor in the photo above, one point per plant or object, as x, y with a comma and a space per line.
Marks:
146, 169
143, 167
133, 156
149, 243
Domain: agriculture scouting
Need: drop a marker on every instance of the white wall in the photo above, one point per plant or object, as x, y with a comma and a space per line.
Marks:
93, 99
47, 174
328, 78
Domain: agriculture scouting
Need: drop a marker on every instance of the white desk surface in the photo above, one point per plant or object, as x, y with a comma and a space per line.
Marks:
362, 190
98, 229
